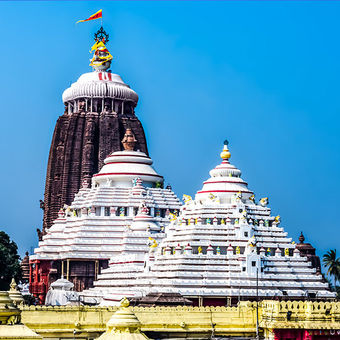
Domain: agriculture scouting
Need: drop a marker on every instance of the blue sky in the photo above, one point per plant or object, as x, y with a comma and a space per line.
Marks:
264, 75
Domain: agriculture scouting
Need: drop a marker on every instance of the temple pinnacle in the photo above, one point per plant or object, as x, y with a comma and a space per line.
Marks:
225, 154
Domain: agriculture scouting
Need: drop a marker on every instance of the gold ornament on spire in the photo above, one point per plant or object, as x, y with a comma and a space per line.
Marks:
225, 154
102, 58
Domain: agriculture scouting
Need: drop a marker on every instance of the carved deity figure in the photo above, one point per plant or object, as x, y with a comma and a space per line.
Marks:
143, 209
152, 243
187, 199
40, 234
251, 246
214, 198
264, 201
172, 217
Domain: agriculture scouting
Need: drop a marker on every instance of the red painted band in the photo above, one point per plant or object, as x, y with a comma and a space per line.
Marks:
126, 262
125, 162
128, 154
128, 173
207, 182
203, 192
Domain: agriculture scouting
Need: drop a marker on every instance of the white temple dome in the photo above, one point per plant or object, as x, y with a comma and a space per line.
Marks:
122, 167
61, 294
224, 183
100, 85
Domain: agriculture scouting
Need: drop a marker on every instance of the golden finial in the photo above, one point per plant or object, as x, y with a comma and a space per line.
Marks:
13, 285
124, 302
225, 154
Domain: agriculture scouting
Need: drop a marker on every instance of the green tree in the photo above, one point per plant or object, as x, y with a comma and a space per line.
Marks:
160, 185
332, 264
9, 261
338, 291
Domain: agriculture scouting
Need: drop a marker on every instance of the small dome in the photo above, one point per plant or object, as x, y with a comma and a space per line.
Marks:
225, 182
100, 85
143, 221
62, 284
122, 167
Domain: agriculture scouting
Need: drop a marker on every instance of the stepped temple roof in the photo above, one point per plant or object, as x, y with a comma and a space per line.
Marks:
222, 244
126, 194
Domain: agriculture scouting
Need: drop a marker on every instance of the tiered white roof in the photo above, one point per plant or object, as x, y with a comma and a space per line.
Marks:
217, 247
100, 85
93, 227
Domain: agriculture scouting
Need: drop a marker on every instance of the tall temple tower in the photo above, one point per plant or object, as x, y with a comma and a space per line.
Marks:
99, 107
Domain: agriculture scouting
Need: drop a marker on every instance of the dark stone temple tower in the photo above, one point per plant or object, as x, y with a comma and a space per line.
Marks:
99, 107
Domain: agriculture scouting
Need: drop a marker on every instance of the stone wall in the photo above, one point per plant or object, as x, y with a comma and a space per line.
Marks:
157, 322
239, 322
81, 141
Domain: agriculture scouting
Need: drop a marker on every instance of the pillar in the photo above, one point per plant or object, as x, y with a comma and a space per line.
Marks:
62, 268
96, 269
67, 269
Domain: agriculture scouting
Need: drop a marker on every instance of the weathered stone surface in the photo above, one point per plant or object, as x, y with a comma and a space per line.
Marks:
80, 143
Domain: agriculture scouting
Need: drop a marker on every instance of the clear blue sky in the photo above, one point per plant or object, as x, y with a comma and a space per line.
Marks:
265, 75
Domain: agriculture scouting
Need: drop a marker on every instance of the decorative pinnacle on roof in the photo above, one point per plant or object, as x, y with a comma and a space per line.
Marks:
225, 154
102, 58
124, 302
301, 238
101, 35
129, 141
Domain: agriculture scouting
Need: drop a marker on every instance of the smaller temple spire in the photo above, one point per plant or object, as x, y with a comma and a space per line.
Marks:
301, 238
225, 154
129, 140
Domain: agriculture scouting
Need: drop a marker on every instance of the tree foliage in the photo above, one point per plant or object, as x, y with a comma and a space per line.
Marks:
9, 261
332, 264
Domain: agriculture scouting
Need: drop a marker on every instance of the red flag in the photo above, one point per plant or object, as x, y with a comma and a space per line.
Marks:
94, 16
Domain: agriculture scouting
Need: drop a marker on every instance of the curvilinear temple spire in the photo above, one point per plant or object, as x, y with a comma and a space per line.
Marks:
99, 107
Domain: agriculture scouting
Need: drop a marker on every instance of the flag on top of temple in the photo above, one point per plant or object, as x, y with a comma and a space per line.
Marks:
94, 16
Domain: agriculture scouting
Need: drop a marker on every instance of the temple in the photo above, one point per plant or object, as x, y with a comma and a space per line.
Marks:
121, 257
224, 246
90, 211
99, 107
127, 194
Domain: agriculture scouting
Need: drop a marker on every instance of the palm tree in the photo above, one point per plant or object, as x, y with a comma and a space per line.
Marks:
332, 264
